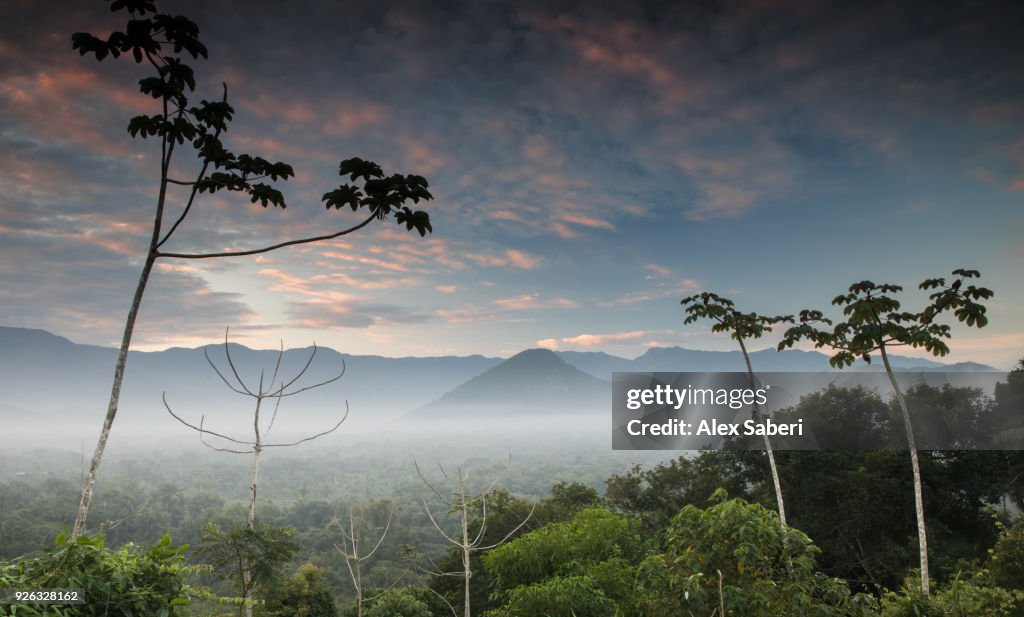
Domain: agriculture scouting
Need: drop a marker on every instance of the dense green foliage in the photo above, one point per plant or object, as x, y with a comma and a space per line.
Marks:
585, 566
128, 581
735, 557
663, 529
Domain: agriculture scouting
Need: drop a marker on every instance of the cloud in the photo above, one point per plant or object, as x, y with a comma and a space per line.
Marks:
594, 340
513, 258
663, 290
534, 301
657, 270
321, 314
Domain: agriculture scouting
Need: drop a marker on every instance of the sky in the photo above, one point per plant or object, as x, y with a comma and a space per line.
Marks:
592, 163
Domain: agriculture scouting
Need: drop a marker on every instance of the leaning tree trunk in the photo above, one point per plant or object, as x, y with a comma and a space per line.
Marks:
922, 536
166, 150
767, 442
115, 396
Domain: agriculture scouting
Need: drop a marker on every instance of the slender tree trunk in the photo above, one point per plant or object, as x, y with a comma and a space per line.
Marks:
250, 519
466, 545
767, 442
359, 590
115, 396
166, 151
922, 536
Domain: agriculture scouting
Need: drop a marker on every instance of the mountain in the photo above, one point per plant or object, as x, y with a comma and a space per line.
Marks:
679, 360
532, 381
596, 363
56, 379
47, 378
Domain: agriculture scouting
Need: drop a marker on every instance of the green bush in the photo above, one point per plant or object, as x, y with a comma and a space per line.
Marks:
582, 567
398, 602
737, 556
1007, 556
130, 581
976, 597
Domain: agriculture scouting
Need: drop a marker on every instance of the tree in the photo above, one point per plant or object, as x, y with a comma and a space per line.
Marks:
164, 43
1008, 412
252, 557
657, 494
854, 495
350, 550
399, 602
305, 593
586, 566
741, 327
263, 391
734, 559
466, 506
874, 322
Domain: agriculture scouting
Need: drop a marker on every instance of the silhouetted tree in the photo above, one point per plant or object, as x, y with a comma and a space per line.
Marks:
874, 322
741, 327
163, 43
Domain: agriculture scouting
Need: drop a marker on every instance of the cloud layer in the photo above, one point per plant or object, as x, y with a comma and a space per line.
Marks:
591, 162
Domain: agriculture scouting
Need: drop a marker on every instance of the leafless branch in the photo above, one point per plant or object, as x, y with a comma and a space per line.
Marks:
312, 437
227, 383
511, 533
389, 587
430, 515
445, 600
199, 428
273, 247
277, 365
429, 485
383, 534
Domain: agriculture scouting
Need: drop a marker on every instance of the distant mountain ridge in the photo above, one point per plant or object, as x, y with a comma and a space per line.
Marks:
680, 360
49, 376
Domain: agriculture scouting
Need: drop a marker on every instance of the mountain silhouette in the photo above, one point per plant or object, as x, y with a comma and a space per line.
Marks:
47, 377
532, 381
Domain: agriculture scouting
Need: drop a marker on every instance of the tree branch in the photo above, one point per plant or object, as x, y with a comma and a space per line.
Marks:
274, 247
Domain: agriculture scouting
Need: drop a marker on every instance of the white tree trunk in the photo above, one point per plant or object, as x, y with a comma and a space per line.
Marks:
922, 536
767, 443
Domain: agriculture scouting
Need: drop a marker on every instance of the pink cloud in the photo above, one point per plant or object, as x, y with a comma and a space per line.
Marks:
534, 301
510, 258
593, 340
587, 221
732, 186
522, 260
74, 105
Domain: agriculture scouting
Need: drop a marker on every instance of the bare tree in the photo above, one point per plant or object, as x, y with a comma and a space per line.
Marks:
350, 550
164, 43
264, 390
465, 505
